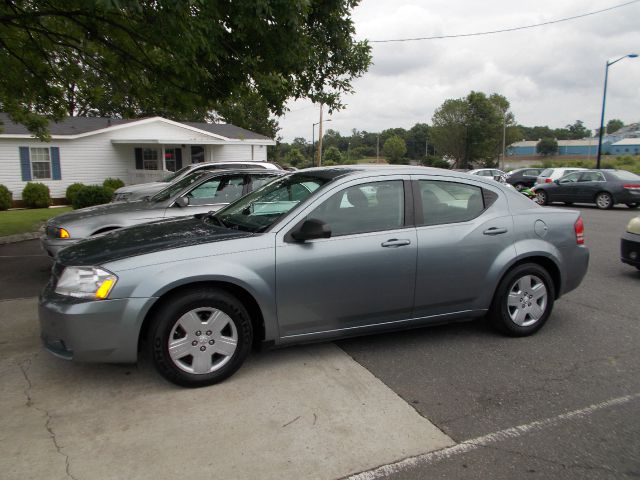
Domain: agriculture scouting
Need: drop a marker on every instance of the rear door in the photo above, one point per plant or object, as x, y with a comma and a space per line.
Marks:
465, 236
589, 185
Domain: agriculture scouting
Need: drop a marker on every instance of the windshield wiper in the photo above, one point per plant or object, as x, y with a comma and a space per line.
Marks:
212, 216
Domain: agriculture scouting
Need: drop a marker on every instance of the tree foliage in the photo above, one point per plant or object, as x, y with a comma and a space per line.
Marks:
614, 125
470, 129
394, 149
180, 60
547, 146
332, 156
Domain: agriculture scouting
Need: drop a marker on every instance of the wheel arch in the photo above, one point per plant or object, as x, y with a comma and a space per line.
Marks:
545, 262
244, 296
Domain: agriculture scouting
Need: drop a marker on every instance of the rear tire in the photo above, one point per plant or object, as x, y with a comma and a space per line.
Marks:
200, 337
542, 198
604, 201
523, 301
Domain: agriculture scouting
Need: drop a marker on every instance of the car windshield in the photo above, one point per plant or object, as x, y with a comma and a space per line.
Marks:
546, 172
174, 175
175, 188
624, 175
259, 210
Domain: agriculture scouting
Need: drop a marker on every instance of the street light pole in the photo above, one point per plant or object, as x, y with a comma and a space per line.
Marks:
604, 101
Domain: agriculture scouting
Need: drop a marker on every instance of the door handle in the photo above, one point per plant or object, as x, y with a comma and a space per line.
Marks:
394, 243
495, 231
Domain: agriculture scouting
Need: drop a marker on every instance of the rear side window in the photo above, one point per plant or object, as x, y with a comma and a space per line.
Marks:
450, 202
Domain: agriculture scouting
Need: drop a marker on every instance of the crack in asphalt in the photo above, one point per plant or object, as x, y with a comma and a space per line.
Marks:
30, 404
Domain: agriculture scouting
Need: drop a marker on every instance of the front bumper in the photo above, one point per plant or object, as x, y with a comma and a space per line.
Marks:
630, 249
51, 246
91, 331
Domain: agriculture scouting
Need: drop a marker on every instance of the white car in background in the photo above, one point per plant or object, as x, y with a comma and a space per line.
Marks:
141, 190
497, 175
548, 175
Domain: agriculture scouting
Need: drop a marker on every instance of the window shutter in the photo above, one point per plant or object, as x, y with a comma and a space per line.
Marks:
25, 165
56, 172
139, 165
178, 159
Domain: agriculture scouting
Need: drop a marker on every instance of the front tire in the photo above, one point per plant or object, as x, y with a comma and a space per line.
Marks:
519, 186
604, 201
200, 337
523, 301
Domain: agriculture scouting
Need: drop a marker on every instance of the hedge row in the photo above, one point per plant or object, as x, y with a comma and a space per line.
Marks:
37, 195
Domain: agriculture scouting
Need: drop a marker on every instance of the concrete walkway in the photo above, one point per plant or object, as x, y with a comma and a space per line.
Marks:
305, 412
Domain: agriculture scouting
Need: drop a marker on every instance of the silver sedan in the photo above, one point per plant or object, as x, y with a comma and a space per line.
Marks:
198, 192
317, 255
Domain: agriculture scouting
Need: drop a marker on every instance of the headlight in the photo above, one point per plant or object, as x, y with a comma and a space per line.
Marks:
58, 232
634, 226
86, 282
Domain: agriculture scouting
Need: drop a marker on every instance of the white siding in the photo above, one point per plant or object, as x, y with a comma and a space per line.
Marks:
237, 153
87, 160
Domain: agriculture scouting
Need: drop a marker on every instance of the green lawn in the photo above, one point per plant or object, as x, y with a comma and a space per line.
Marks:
23, 221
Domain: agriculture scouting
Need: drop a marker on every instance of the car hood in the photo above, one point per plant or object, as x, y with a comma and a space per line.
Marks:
100, 210
147, 238
140, 187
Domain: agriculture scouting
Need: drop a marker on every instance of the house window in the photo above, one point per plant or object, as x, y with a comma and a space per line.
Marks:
170, 159
150, 159
40, 164
197, 154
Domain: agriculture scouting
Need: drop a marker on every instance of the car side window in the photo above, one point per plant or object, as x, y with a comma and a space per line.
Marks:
217, 190
571, 178
450, 202
369, 207
258, 181
592, 177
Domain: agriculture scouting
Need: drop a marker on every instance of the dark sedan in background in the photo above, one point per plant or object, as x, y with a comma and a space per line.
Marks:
523, 177
198, 192
605, 188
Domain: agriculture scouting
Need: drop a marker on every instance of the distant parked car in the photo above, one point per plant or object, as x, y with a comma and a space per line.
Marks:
494, 173
141, 190
605, 188
320, 254
548, 175
198, 192
523, 177
630, 244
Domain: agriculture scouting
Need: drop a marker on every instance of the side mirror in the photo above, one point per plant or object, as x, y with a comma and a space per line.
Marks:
182, 202
311, 229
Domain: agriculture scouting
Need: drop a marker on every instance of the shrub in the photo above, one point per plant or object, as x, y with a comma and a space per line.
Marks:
72, 191
36, 195
5, 198
90, 195
113, 183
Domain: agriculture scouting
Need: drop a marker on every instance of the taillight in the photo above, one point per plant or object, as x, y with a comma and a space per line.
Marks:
632, 186
548, 180
579, 228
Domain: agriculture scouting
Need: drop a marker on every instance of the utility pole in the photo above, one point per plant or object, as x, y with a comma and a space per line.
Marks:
319, 162
504, 138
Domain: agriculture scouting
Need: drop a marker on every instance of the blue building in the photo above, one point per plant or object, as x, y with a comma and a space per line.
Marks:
584, 147
627, 146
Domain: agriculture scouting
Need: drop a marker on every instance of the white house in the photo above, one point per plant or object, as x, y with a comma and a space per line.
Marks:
89, 149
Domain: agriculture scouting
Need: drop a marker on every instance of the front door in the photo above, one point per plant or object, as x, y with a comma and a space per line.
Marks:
363, 275
567, 188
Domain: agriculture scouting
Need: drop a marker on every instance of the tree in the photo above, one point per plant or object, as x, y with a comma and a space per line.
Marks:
470, 129
577, 131
614, 125
394, 149
296, 159
547, 146
181, 60
332, 156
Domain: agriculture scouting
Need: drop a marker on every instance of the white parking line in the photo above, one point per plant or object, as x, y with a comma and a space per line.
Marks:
475, 443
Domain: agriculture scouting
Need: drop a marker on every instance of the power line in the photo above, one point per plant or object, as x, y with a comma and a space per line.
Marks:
513, 29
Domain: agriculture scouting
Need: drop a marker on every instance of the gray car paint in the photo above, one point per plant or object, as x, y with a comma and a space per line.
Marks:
325, 288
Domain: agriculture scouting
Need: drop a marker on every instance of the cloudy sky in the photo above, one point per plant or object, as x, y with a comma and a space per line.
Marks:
552, 75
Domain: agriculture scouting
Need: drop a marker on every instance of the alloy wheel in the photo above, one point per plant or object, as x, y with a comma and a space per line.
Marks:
527, 300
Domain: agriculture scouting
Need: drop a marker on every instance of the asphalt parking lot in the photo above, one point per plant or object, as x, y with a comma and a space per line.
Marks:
454, 401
